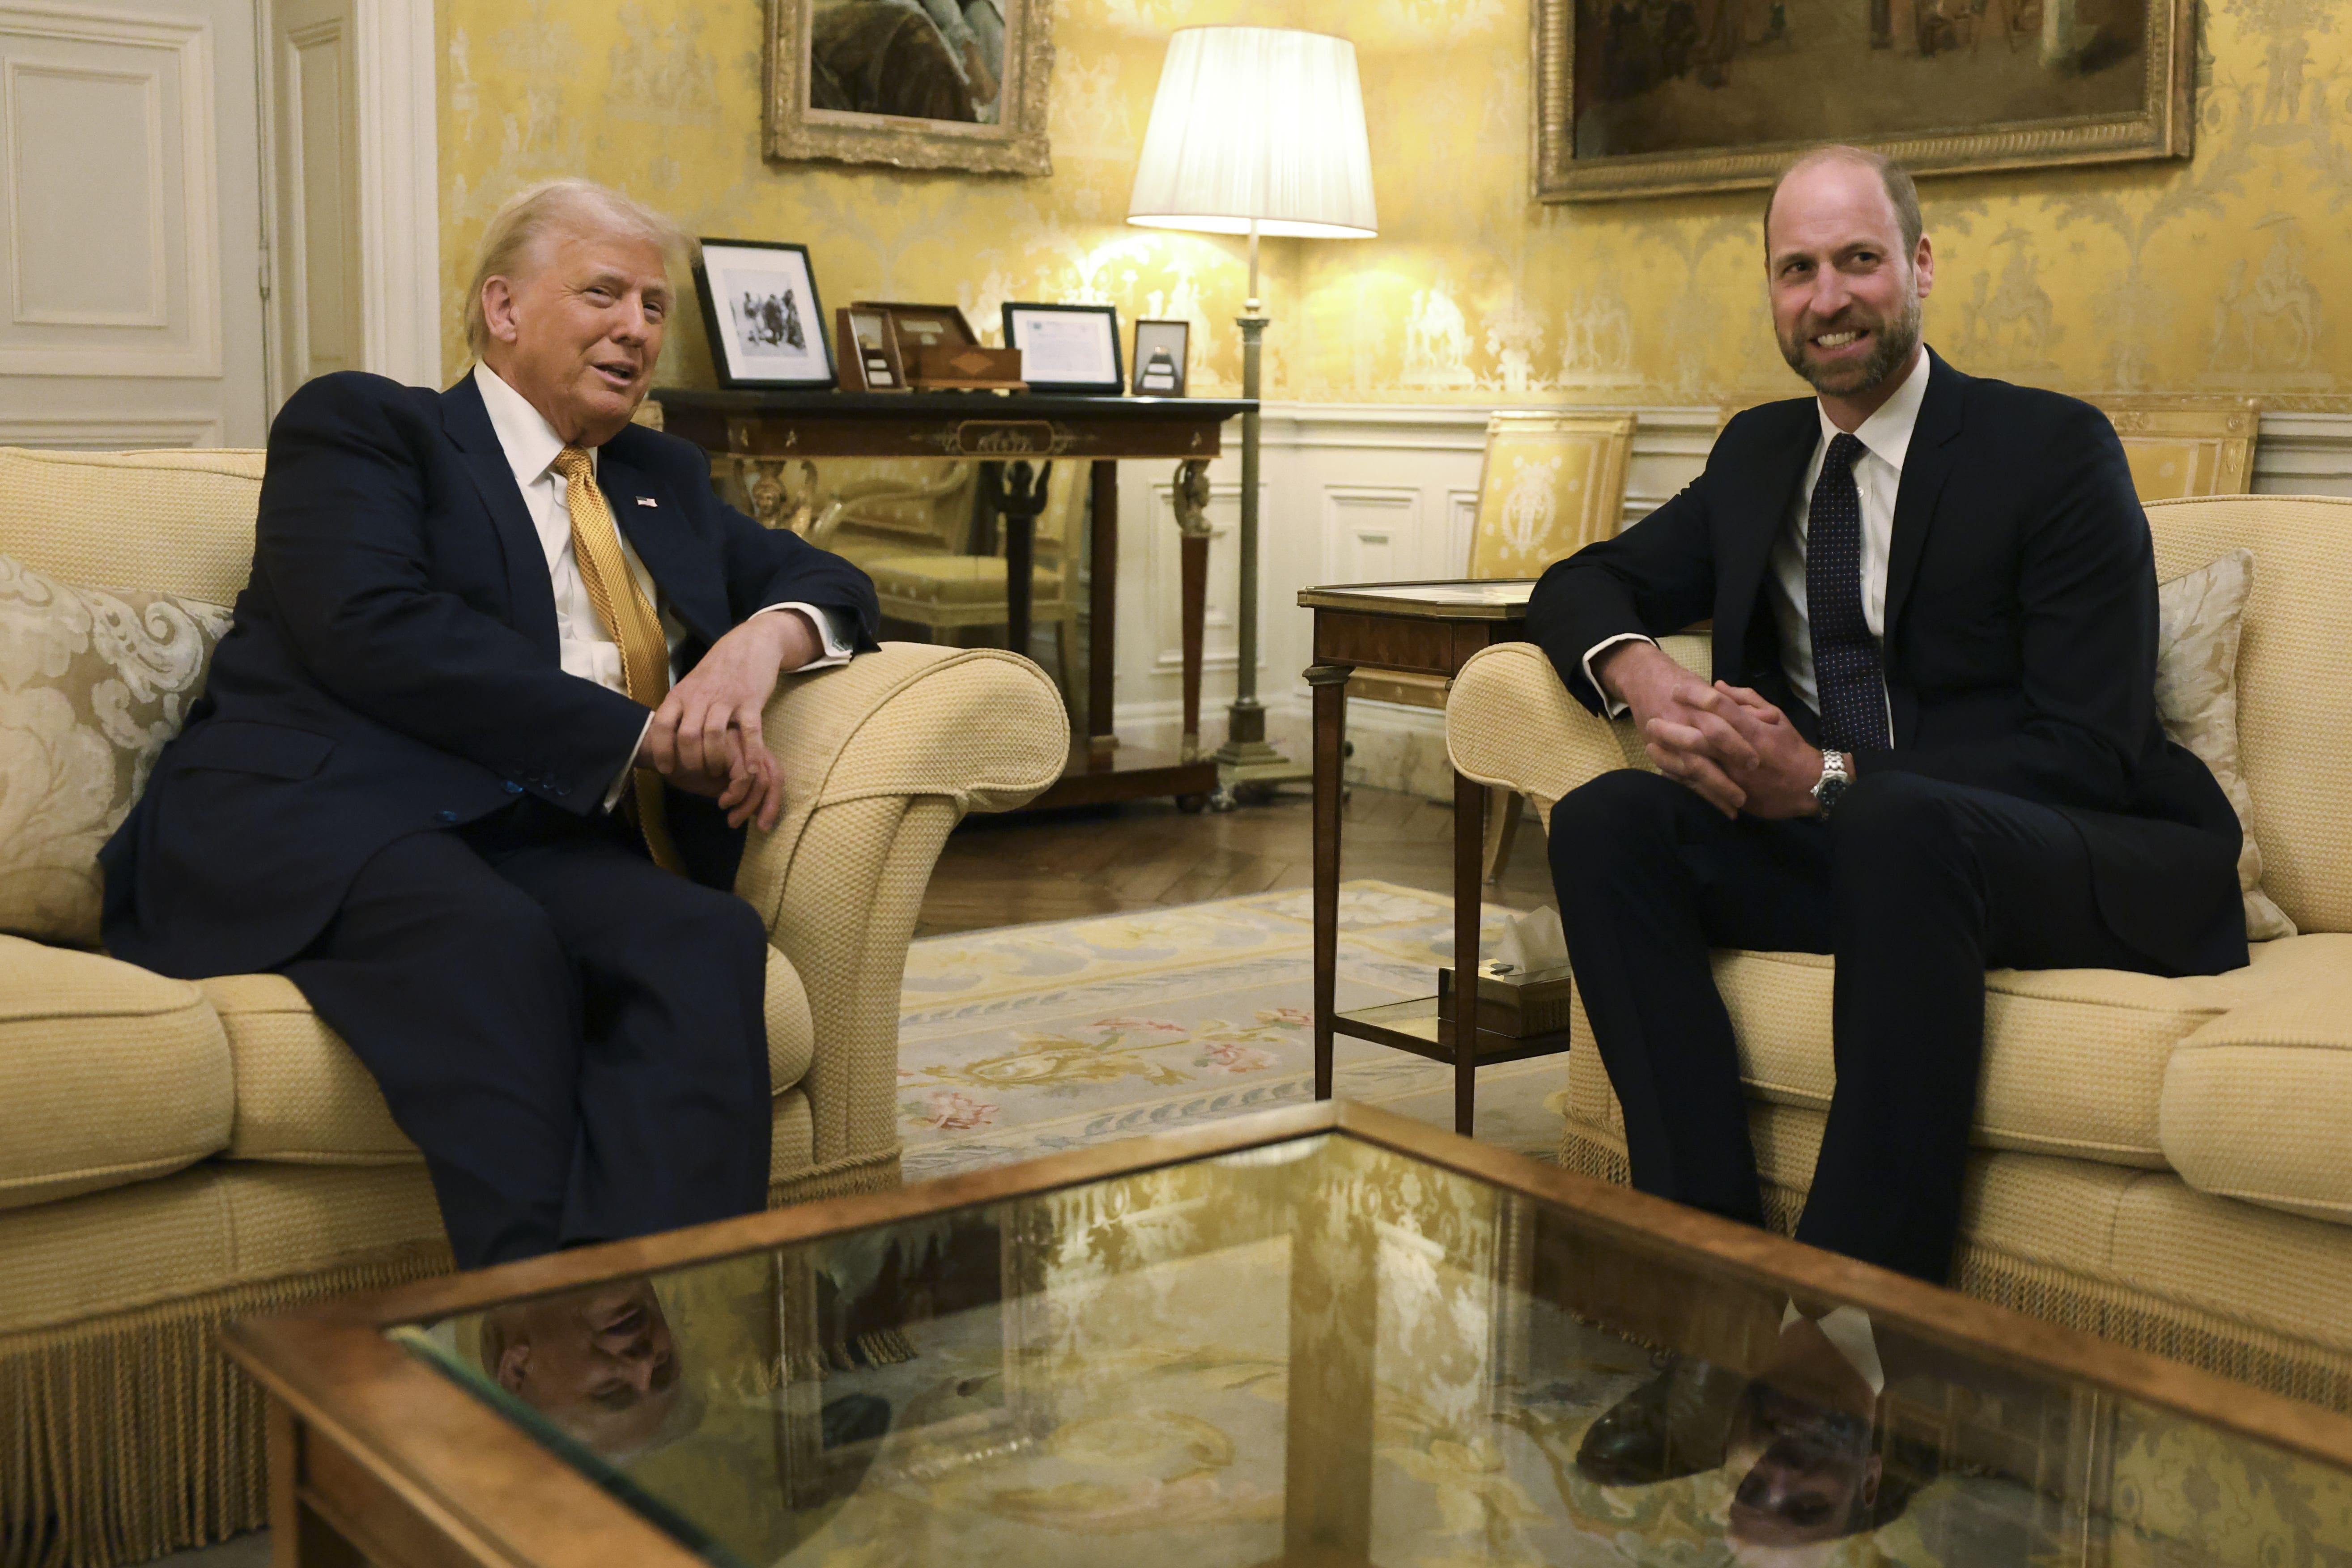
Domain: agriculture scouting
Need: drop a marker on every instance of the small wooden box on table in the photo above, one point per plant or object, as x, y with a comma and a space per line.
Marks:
1419, 628
1017, 439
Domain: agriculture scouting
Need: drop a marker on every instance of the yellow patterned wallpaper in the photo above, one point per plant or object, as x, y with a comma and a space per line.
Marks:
2199, 277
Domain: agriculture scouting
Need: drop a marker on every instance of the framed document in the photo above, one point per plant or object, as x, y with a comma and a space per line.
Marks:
1161, 352
759, 305
1067, 348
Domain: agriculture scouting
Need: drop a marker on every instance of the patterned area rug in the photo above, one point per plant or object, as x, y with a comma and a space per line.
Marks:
1026, 1040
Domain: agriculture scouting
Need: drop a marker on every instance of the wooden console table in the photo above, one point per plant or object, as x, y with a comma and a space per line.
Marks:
1420, 628
1017, 438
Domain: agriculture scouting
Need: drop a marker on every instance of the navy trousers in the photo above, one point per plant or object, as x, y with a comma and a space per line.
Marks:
575, 1038
1916, 886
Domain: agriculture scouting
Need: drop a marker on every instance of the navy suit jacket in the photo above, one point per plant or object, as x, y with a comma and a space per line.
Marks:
392, 668
2020, 638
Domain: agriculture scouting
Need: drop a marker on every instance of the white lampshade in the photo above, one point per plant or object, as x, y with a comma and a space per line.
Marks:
1263, 123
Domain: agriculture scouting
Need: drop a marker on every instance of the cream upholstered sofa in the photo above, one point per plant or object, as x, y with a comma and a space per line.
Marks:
2164, 1162
173, 1155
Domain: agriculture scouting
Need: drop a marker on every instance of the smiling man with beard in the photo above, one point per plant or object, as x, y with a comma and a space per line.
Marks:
476, 760
1931, 747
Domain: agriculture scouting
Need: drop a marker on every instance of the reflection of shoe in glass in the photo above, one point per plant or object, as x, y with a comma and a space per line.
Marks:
854, 1418
1675, 1425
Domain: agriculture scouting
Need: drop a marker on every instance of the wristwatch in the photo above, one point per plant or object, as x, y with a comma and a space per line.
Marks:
1833, 784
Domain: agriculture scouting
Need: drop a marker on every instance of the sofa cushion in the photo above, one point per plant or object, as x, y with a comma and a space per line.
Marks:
109, 1075
174, 522
2256, 1103
304, 1098
92, 683
2200, 616
2074, 1059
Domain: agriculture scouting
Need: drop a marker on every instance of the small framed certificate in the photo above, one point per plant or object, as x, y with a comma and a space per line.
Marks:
1161, 352
1067, 348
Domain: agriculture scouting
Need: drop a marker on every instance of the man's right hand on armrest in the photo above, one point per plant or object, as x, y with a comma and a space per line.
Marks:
1681, 720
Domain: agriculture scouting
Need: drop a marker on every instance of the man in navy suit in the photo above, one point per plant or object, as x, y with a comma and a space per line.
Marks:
1931, 747
501, 652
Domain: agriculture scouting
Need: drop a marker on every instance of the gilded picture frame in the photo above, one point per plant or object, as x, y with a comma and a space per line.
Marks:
941, 84
1643, 98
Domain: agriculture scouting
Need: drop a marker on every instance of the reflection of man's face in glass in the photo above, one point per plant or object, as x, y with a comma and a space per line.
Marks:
1808, 1477
599, 1362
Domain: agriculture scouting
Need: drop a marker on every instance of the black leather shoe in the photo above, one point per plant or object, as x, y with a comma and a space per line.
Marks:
1675, 1425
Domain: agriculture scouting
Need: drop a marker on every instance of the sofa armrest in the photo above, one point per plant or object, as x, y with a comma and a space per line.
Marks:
881, 757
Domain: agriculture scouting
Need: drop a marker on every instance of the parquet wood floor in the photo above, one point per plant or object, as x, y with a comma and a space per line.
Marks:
998, 870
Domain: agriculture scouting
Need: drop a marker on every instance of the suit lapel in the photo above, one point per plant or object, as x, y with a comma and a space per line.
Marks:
531, 593
653, 523
1926, 465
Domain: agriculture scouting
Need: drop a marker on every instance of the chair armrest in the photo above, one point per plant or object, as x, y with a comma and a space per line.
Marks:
1510, 722
881, 758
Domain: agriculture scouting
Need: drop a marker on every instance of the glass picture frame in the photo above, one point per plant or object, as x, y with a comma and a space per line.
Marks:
1067, 348
759, 306
1162, 358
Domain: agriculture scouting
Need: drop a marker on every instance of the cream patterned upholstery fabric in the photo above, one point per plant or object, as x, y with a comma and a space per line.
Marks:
177, 1154
2161, 1160
109, 1075
94, 681
2200, 616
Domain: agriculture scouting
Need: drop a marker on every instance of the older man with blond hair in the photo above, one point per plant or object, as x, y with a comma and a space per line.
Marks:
476, 760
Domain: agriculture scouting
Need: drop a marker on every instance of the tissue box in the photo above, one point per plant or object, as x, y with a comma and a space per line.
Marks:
1520, 1004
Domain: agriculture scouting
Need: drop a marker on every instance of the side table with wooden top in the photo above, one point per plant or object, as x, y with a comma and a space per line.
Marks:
1416, 628
1017, 439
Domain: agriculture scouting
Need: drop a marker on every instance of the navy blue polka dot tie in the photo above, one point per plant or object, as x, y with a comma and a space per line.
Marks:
1848, 681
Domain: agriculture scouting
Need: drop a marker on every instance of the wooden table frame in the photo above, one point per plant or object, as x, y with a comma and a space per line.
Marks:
1358, 628
1017, 439
375, 1457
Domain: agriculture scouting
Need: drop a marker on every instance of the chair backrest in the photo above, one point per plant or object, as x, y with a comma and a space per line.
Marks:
914, 503
178, 522
1552, 483
2184, 446
2294, 736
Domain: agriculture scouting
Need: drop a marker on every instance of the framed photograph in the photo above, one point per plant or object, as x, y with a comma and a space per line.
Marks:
870, 360
1161, 358
759, 302
920, 84
1626, 105
1067, 348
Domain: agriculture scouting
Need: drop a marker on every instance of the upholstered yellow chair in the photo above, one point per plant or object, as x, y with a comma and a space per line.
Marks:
2160, 1161
1551, 483
173, 1155
945, 589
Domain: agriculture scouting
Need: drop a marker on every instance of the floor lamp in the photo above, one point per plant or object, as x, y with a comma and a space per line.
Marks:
1256, 131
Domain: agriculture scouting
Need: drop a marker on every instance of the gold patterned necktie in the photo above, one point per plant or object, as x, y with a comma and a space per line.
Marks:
629, 616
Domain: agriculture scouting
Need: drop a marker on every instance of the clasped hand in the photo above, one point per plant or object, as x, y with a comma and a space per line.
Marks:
704, 736
1736, 750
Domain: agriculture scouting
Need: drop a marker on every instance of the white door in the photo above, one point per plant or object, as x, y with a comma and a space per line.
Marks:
130, 225
314, 304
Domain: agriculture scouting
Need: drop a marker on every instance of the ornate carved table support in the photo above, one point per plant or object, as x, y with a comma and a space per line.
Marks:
1192, 497
1017, 492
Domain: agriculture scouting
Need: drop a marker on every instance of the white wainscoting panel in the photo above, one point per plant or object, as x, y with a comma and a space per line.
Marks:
111, 242
103, 432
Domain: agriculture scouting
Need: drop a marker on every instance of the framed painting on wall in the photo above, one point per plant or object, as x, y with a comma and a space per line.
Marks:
1637, 98
916, 84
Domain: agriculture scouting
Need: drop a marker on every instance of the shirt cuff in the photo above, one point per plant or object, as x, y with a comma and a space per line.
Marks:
621, 780
1616, 709
838, 644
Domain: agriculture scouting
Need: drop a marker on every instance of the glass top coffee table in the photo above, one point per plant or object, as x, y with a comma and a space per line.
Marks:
1316, 1336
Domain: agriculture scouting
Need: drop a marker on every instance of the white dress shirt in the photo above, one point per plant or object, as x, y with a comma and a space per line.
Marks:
584, 644
1886, 437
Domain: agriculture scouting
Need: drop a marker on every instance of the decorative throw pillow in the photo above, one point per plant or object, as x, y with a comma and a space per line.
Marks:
92, 683
2198, 618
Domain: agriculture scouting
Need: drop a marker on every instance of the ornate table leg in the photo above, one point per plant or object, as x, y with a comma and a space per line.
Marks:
1192, 497
1469, 887
1102, 611
1329, 682
772, 505
1018, 491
